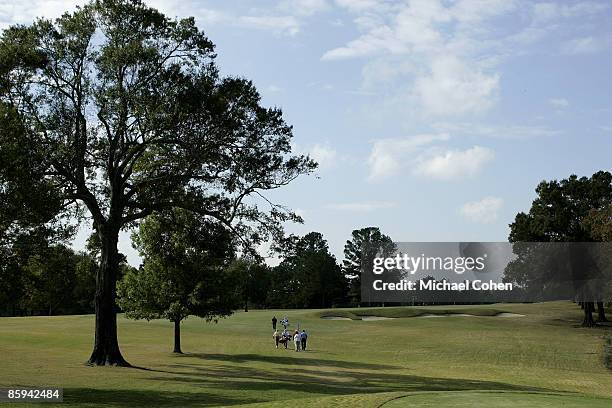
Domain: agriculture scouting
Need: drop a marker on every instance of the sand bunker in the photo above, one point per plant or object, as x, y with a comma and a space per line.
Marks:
503, 314
446, 315
424, 315
369, 318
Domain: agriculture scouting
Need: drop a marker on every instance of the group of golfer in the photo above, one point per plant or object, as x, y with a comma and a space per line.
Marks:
284, 337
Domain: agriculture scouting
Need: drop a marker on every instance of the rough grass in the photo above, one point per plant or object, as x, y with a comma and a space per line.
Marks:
542, 359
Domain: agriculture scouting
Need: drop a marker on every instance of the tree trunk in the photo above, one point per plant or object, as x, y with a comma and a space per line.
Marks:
106, 347
601, 312
588, 315
177, 337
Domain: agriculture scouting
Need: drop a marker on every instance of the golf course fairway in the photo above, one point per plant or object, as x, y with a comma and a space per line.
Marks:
537, 356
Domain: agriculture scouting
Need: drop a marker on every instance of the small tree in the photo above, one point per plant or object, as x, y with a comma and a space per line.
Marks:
184, 271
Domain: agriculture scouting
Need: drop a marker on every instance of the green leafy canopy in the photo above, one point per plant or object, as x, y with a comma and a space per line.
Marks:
120, 110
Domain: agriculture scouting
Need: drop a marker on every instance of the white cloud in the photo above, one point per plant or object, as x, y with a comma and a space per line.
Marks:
423, 155
377, 41
358, 5
453, 88
362, 206
483, 211
304, 7
449, 53
24, 12
434, 43
585, 45
324, 155
415, 26
274, 88
474, 11
548, 11
496, 131
384, 71
273, 20
389, 156
454, 164
558, 103
280, 24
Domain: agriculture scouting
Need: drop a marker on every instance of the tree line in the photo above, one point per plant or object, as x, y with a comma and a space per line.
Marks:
185, 261
190, 268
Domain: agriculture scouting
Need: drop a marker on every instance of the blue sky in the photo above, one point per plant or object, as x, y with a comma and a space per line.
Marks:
433, 120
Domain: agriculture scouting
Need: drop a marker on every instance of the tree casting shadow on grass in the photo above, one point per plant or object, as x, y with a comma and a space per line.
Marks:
289, 377
112, 398
288, 360
283, 375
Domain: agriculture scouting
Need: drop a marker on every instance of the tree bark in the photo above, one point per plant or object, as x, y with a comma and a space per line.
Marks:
106, 347
601, 312
588, 315
177, 337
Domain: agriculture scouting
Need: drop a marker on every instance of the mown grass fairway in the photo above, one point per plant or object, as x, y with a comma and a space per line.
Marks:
542, 359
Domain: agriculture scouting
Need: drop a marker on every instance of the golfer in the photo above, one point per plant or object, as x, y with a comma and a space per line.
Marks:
297, 340
303, 338
285, 337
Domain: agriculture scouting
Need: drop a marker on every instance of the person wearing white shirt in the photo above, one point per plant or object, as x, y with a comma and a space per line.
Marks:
297, 340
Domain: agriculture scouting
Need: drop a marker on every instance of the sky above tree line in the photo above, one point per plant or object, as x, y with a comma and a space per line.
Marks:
433, 120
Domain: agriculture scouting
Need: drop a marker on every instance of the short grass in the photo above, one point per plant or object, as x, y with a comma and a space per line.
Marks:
543, 359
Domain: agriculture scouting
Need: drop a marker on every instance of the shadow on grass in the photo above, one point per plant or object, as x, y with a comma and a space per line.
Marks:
220, 379
319, 381
145, 398
289, 360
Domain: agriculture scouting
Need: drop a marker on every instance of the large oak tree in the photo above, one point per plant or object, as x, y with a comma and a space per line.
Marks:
120, 111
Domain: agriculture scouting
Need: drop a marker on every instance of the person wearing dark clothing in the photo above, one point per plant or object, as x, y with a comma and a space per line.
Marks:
274, 323
304, 337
